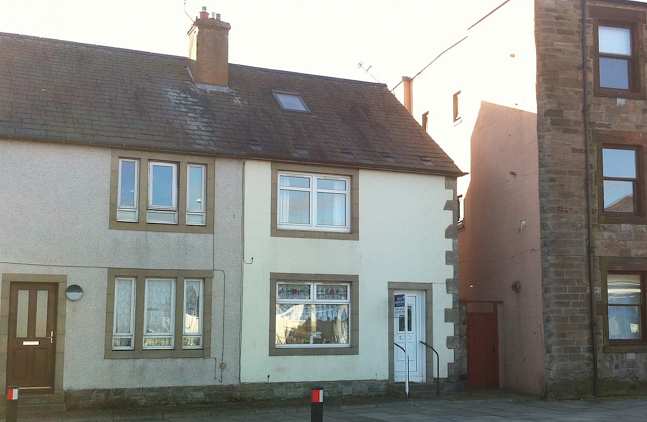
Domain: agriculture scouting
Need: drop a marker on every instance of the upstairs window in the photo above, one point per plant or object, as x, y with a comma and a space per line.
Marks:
127, 195
615, 51
195, 199
162, 193
290, 102
314, 202
620, 180
457, 104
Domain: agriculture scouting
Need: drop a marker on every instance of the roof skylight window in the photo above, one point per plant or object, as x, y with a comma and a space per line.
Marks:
290, 102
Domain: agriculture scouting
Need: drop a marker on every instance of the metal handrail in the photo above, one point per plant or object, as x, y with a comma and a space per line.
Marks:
406, 385
437, 366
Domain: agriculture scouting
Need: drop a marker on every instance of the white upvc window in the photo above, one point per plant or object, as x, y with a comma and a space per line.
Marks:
162, 193
314, 202
127, 190
123, 325
193, 311
312, 315
196, 201
159, 313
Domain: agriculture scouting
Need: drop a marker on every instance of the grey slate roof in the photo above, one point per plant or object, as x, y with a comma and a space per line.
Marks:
67, 92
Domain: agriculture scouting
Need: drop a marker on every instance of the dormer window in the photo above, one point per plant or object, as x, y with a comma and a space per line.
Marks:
290, 101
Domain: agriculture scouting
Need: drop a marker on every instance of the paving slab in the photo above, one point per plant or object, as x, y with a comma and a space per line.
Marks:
466, 409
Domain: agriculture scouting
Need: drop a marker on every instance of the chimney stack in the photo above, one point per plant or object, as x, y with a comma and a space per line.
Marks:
407, 84
209, 50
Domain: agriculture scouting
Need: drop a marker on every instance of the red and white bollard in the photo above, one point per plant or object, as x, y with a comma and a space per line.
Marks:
12, 404
316, 404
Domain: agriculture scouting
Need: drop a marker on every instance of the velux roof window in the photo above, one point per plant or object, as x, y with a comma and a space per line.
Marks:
290, 101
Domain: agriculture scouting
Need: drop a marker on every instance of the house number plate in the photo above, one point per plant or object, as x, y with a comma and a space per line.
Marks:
30, 343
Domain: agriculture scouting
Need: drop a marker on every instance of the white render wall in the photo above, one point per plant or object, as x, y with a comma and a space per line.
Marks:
54, 206
402, 239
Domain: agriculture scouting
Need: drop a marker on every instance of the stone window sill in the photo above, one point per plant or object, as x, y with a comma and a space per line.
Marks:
625, 348
155, 354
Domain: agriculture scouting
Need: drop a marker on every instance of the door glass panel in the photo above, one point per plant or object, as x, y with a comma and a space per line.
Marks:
22, 312
41, 313
409, 318
401, 323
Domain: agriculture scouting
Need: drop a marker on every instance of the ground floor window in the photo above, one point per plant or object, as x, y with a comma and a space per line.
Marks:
157, 312
313, 314
625, 307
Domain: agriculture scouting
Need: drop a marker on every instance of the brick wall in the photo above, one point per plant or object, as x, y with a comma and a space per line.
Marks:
563, 205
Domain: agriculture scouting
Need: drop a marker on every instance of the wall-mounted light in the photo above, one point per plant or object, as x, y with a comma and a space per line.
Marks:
74, 293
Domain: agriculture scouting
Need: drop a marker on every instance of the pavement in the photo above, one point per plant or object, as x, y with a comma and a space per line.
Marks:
509, 409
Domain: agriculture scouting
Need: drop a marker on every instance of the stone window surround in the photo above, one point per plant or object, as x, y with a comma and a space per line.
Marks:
315, 234
623, 140
142, 202
59, 279
140, 276
625, 266
353, 280
619, 17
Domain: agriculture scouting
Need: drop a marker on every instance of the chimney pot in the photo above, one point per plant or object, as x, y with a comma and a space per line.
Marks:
204, 15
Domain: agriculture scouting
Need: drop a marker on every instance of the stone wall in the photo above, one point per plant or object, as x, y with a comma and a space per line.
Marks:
562, 197
624, 371
456, 370
219, 394
563, 189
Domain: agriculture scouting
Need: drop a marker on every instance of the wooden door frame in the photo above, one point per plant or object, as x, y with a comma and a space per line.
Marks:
428, 289
5, 290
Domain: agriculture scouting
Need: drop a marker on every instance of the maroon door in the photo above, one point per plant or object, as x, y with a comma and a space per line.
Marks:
32, 336
482, 350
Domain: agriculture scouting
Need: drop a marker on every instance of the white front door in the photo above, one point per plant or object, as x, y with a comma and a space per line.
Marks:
408, 331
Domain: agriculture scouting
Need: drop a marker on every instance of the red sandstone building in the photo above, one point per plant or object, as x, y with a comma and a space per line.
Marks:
544, 102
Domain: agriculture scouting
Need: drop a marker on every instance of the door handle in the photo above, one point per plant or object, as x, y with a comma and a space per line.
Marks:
51, 337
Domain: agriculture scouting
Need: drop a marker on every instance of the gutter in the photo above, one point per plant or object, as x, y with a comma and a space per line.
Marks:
589, 228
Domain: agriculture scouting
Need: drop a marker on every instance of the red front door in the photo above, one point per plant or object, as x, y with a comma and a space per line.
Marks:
482, 350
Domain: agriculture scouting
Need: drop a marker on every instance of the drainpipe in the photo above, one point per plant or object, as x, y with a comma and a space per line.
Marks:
589, 228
